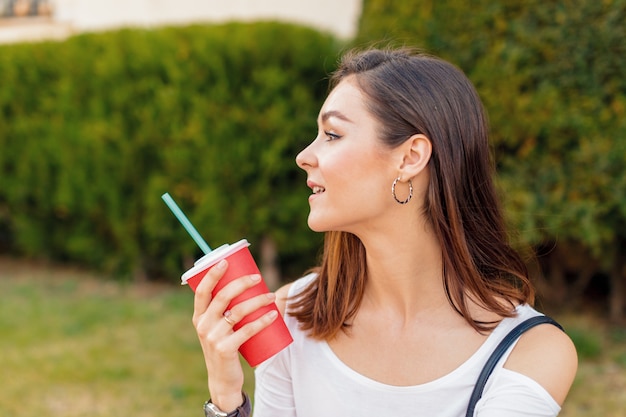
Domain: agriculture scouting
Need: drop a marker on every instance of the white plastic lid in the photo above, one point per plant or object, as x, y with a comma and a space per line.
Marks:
212, 258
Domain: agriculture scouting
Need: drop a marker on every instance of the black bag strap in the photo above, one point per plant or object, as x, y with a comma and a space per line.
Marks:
497, 354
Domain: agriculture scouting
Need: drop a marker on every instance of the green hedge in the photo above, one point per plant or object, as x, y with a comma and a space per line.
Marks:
93, 130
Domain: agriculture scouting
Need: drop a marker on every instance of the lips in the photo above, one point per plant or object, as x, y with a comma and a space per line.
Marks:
316, 188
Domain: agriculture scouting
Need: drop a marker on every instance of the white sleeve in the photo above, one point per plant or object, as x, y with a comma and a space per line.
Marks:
273, 393
274, 389
512, 394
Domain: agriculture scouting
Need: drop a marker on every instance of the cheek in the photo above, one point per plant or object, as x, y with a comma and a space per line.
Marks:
357, 175
333, 164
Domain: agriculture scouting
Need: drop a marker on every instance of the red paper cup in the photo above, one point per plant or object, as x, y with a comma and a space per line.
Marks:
268, 341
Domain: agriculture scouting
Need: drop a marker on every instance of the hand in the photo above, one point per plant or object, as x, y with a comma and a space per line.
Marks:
220, 343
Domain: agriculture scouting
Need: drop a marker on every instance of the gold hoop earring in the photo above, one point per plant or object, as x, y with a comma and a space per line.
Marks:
395, 197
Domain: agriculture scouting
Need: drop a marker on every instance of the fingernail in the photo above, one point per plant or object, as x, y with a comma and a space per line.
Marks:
272, 314
255, 277
221, 264
270, 295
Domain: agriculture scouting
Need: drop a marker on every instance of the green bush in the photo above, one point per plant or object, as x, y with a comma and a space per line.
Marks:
93, 130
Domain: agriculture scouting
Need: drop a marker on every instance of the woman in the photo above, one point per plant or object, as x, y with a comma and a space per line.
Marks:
417, 283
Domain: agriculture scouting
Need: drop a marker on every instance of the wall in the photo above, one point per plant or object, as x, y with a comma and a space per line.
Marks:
74, 16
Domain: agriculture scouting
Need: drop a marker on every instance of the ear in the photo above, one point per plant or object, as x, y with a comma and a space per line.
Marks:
415, 154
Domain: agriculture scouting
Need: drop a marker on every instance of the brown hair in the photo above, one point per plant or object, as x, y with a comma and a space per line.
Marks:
413, 93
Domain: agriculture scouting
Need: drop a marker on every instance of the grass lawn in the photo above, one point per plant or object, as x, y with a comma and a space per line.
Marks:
74, 345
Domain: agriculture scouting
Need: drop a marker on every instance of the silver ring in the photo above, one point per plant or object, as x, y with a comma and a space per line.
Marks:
228, 317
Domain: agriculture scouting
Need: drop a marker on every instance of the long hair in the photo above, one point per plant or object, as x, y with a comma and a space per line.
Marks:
413, 93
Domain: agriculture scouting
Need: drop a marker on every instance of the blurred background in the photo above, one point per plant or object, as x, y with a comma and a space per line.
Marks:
106, 105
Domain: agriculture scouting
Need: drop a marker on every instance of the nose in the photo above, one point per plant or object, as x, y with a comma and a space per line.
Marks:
306, 157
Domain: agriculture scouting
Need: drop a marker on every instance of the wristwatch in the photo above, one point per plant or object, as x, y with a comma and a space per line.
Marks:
244, 410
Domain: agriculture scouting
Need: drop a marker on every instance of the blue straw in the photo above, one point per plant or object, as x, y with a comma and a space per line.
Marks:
186, 223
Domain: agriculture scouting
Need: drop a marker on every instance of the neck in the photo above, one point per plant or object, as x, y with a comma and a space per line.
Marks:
408, 279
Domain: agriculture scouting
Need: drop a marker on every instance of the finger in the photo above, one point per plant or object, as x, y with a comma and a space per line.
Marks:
233, 289
202, 298
243, 309
248, 330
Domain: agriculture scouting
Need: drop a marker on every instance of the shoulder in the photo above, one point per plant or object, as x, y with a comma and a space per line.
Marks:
284, 293
547, 355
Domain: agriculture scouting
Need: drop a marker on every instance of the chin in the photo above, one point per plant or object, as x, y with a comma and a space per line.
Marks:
323, 227
318, 226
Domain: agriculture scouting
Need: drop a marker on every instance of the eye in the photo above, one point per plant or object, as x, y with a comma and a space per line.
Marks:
331, 136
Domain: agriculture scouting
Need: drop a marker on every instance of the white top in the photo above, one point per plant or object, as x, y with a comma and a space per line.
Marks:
308, 380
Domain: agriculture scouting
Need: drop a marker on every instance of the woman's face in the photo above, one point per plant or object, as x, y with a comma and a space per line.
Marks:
349, 170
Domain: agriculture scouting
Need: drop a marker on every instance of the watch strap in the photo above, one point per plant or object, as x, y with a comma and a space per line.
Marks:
244, 410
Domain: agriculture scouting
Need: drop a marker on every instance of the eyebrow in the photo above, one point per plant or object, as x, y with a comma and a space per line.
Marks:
334, 113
